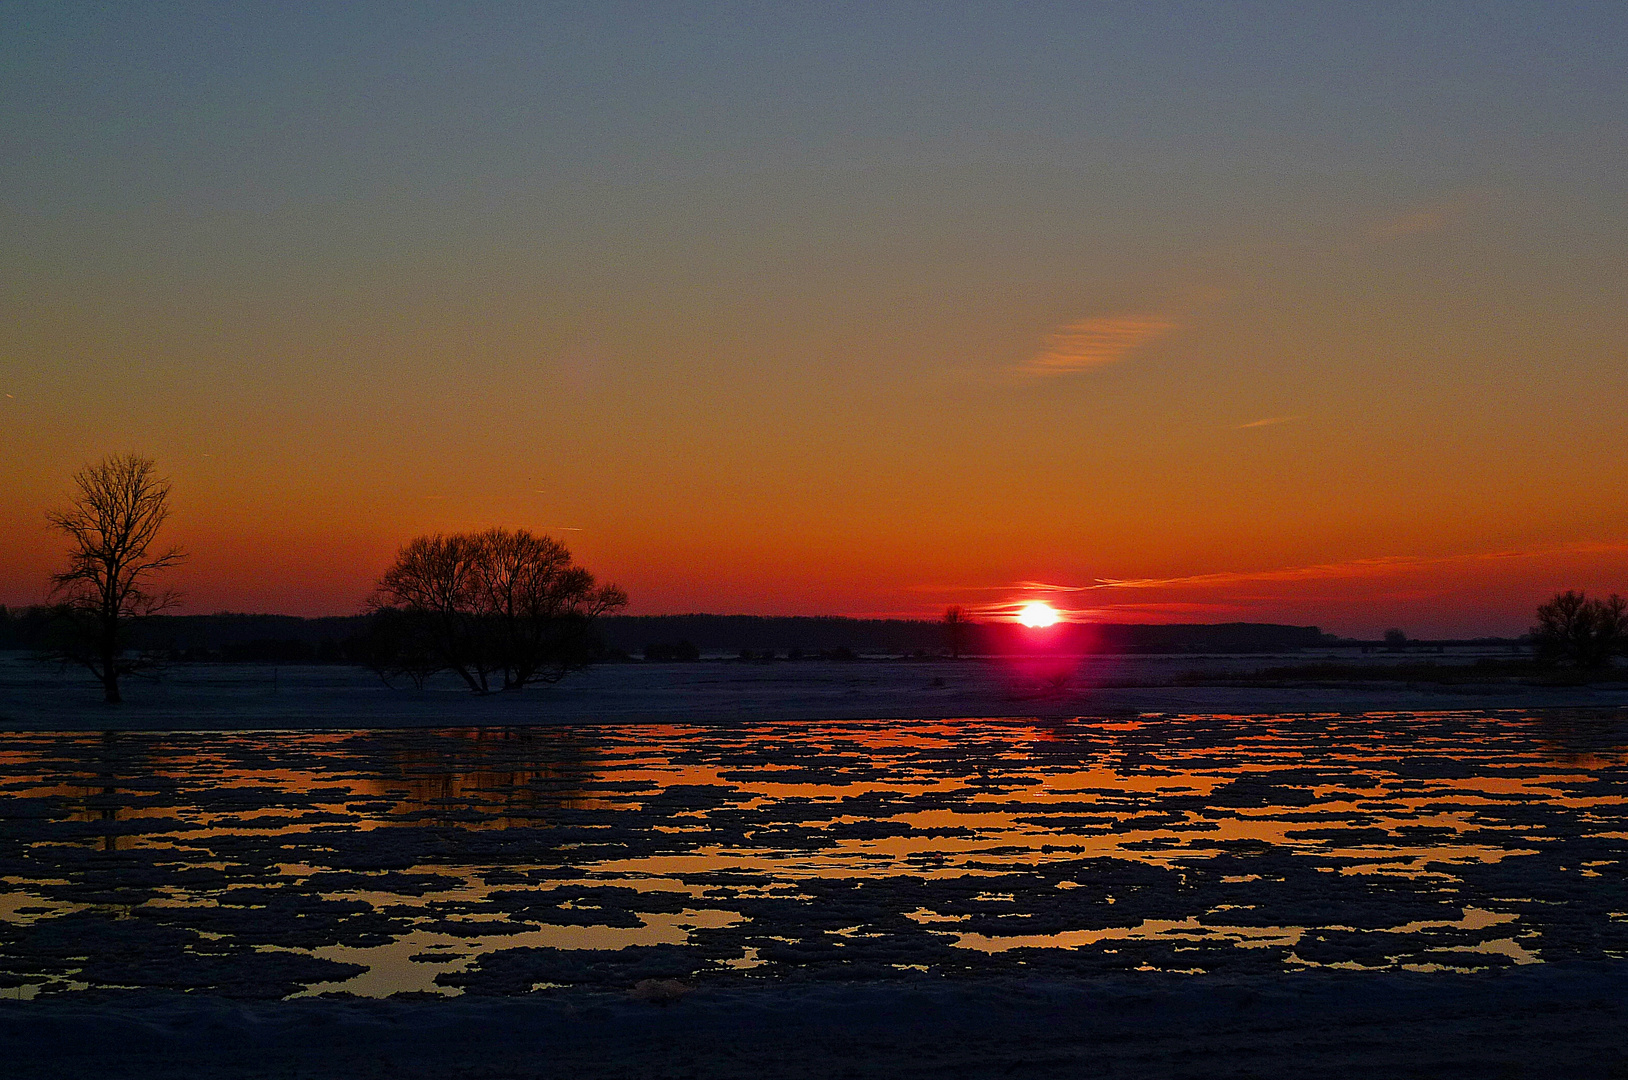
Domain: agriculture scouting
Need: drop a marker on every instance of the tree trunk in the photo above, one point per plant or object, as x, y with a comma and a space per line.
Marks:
110, 665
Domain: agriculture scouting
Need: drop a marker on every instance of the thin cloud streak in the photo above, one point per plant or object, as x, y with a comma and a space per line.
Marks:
1354, 568
1092, 343
1388, 564
1269, 422
1427, 219
1422, 221
1031, 586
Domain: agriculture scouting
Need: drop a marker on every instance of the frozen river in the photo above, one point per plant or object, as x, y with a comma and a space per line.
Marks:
506, 861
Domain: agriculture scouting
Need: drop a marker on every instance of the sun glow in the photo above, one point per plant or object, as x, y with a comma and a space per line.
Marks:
1037, 614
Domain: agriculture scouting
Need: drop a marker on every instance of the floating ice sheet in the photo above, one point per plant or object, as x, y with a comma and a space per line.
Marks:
498, 861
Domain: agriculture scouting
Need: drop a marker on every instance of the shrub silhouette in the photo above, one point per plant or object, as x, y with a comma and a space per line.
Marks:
956, 621
1574, 629
679, 650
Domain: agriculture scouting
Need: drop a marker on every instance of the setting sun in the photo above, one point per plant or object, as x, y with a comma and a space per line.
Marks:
1037, 614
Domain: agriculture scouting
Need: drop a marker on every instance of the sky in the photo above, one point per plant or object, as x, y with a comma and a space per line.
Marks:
1299, 312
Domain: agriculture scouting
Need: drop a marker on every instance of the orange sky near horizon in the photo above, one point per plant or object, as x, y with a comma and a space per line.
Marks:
1315, 319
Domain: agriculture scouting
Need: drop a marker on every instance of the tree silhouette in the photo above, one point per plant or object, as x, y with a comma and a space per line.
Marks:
956, 621
1584, 632
500, 609
111, 525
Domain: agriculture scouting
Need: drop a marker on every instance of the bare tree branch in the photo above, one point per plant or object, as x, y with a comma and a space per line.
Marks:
111, 525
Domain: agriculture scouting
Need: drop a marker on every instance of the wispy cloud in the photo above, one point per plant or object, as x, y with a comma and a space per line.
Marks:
1354, 568
1010, 586
1420, 221
1092, 343
1427, 219
1388, 564
1269, 422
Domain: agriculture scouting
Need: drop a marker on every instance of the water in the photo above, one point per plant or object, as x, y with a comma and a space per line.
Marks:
271, 864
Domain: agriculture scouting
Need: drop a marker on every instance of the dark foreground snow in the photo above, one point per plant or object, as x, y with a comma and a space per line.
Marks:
1555, 1022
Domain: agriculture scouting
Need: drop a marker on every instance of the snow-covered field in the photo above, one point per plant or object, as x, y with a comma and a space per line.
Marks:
1168, 895
223, 696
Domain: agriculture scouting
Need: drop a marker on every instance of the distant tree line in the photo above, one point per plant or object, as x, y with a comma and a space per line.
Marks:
841, 652
665, 652
811, 636
249, 637
220, 638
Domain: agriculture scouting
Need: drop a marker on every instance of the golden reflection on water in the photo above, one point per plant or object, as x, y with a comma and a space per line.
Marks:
663, 809
443, 777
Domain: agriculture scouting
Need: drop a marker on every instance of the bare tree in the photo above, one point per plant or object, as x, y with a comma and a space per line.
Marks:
425, 605
1584, 632
397, 643
498, 608
111, 525
956, 621
542, 607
